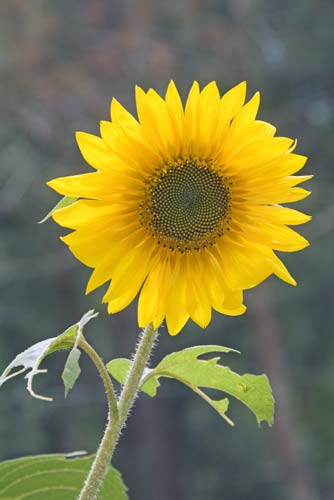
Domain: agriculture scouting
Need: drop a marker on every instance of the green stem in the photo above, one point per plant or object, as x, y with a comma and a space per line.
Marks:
114, 426
139, 364
103, 372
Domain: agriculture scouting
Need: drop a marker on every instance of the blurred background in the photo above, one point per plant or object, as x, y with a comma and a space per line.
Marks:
60, 64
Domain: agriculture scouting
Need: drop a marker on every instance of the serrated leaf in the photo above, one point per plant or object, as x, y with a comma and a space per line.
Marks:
185, 366
119, 369
32, 357
56, 477
71, 370
252, 390
191, 354
66, 201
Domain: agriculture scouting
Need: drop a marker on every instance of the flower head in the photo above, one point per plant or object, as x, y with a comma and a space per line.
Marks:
185, 205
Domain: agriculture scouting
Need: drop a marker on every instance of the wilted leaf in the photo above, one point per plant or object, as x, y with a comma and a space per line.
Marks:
32, 358
54, 476
71, 370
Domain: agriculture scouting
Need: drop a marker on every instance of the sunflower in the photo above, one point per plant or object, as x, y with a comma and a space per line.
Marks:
184, 207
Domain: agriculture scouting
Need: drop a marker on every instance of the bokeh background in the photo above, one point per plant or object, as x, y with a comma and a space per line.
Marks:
60, 63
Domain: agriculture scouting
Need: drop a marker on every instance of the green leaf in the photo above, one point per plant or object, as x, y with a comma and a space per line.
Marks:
54, 477
71, 370
185, 366
32, 358
119, 369
66, 201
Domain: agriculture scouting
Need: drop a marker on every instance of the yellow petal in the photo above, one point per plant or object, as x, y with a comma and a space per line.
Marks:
151, 304
280, 195
207, 116
120, 115
230, 104
92, 185
281, 214
254, 154
105, 269
190, 120
176, 312
82, 212
260, 129
278, 166
275, 236
147, 121
280, 270
164, 129
233, 300
234, 312
135, 264
175, 111
292, 163
122, 295
242, 120
131, 151
172, 289
197, 300
94, 150
90, 246
244, 267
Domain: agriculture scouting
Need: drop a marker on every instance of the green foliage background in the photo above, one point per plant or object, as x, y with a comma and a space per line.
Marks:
60, 63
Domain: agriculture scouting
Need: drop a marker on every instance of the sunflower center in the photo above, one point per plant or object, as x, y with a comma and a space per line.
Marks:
188, 203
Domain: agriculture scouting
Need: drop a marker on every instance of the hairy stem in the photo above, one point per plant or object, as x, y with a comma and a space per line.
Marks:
103, 372
139, 364
114, 425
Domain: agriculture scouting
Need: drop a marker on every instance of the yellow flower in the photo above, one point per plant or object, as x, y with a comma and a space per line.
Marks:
184, 206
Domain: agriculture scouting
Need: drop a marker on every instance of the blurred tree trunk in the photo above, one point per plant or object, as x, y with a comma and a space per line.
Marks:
287, 441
